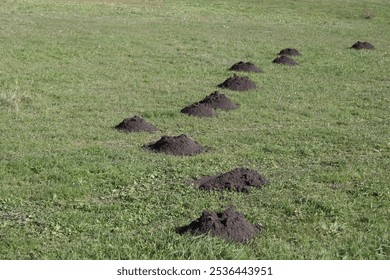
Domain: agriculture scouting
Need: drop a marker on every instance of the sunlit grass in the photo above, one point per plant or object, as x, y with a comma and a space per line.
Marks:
74, 188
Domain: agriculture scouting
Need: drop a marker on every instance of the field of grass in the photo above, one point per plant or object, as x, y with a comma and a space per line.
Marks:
71, 187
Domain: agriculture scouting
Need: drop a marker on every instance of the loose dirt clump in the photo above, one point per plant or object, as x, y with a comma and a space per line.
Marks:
238, 83
176, 145
362, 45
229, 224
245, 67
285, 60
218, 100
239, 179
289, 52
135, 124
199, 110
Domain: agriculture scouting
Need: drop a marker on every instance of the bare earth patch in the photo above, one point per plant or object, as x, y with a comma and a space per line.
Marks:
245, 67
218, 100
239, 179
238, 83
176, 145
229, 224
135, 124
199, 110
285, 60
362, 45
289, 52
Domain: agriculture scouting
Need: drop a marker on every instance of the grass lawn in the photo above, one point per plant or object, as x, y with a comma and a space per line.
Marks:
71, 187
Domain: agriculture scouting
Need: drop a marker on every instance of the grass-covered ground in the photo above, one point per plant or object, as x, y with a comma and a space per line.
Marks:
71, 187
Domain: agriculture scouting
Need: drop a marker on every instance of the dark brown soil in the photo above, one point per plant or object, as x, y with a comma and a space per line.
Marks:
176, 145
229, 224
135, 124
239, 179
199, 110
285, 60
238, 83
245, 67
218, 100
289, 52
362, 45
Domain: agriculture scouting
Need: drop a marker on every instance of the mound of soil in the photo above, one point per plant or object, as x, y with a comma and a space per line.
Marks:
135, 124
289, 52
239, 179
176, 145
238, 83
245, 67
229, 224
285, 60
362, 45
218, 100
199, 110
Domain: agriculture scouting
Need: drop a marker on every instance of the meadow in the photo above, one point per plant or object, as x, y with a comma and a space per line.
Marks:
72, 187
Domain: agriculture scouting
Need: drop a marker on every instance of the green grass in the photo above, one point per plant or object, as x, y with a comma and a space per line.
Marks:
73, 188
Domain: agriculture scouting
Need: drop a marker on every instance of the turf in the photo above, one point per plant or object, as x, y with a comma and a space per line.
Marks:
72, 187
